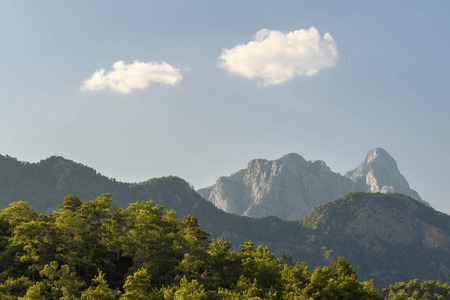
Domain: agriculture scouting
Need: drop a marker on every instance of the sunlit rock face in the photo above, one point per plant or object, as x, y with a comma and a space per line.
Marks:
379, 173
288, 188
291, 186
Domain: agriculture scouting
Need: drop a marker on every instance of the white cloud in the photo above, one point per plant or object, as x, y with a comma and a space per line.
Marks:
276, 57
138, 75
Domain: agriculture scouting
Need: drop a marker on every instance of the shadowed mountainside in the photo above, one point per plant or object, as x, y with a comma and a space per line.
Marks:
44, 184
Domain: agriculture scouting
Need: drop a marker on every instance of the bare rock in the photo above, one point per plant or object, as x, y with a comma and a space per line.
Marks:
379, 173
288, 188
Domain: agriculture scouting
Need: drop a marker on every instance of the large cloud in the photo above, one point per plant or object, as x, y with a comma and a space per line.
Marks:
138, 75
276, 57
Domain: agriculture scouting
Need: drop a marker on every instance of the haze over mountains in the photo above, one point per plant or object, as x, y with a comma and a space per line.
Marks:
291, 186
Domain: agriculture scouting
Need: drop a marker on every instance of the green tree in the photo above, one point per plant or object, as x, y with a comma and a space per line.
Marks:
11, 288
190, 290
60, 282
225, 266
138, 287
262, 265
37, 241
152, 241
17, 213
338, 281
100, 290
35, 292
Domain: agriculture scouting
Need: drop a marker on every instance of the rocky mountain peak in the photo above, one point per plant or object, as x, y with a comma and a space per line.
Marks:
377, 154
289, 187
292, 158
379, 173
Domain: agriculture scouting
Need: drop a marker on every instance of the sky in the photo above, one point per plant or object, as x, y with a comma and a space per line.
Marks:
197, 89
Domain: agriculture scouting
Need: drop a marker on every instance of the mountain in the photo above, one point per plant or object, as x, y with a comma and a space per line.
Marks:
385, 237
288, 187
45, 184
291, 186
379, 173
374, 218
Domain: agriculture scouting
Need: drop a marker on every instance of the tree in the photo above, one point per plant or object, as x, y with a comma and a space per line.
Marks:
152, 240
338, 281
262, 265
60, 282
100, 290
37, 241
138, 286
190, 290
11, 289
17, 213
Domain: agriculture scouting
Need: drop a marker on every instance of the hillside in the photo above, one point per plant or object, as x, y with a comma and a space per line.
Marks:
390, 237
46, 183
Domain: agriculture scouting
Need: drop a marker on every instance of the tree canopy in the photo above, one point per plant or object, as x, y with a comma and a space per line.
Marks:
96, 250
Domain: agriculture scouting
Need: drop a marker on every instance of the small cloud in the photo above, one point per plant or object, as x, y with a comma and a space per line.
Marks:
138, 75
277, 57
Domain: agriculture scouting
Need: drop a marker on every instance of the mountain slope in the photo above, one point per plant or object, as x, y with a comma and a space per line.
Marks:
291, 186
46, 183
385, 236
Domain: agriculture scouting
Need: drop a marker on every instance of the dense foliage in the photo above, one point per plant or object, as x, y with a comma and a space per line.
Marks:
96, 250
416, 289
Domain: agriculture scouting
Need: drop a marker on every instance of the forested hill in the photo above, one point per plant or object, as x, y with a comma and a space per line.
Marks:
388, 236
44, 184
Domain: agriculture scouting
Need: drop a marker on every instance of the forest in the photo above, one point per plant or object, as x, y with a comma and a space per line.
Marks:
97, 250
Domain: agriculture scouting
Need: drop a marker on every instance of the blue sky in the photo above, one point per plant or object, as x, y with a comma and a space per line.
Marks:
387, 87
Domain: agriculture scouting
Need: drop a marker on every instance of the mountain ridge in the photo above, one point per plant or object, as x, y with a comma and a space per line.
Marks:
289, 187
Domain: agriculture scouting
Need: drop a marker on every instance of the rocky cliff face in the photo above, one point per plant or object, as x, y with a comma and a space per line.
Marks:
379, 173
288, 187
291, 186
